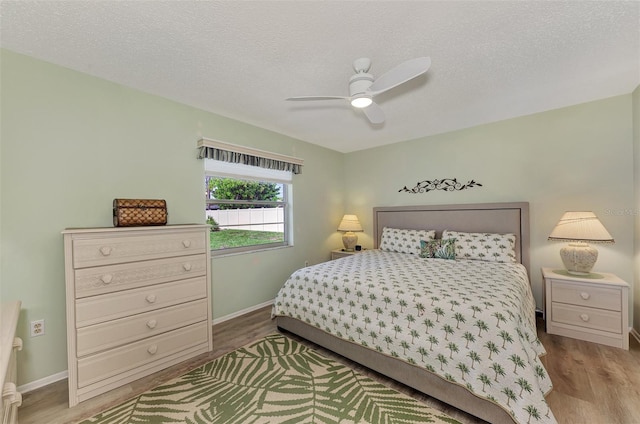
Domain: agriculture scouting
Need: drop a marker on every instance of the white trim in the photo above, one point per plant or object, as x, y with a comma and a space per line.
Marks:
635, 334
242, 312
28, 387
221, 253
207, 142
220, 168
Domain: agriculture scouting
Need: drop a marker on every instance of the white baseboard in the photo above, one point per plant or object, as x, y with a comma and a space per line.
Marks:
242, 312
635, 334
28, 387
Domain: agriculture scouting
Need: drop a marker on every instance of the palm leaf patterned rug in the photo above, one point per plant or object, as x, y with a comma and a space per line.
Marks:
273, 380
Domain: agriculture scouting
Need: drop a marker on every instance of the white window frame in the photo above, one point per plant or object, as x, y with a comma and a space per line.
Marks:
216, 168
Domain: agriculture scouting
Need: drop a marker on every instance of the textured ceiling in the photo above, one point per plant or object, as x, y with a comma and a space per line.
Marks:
241, 59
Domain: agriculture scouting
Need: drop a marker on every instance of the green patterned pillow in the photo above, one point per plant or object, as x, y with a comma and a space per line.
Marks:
440, 248
488, 247
403, 240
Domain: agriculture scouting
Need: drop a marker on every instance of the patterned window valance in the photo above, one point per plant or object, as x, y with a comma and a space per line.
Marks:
227, 152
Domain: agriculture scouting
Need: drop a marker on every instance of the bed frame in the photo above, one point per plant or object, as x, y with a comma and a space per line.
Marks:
486, 217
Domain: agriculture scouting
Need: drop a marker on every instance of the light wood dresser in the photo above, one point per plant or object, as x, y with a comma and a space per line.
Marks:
138, 301
591, 309
9, 346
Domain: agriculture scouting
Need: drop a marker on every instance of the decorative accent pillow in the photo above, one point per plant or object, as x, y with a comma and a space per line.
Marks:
439, 248
488, 247
404, 241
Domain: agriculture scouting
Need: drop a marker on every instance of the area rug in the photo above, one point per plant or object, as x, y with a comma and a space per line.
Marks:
273, 380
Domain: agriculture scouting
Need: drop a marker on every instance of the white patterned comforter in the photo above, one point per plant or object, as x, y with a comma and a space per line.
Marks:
470, 322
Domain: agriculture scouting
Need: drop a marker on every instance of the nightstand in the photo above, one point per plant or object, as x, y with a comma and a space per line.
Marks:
591, 309
339, 253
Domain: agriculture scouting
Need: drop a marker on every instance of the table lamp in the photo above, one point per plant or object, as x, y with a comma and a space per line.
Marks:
580, 228
349, 224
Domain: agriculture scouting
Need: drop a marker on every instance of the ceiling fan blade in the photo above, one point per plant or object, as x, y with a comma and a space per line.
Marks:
303, 98
374, 113
400, 74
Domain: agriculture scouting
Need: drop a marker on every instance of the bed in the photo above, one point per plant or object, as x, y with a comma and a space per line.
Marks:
462, 331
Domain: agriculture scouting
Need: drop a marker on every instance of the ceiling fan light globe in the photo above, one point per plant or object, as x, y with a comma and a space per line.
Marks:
361, 102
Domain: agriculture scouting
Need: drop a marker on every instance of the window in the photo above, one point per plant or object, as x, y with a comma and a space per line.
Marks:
247, 206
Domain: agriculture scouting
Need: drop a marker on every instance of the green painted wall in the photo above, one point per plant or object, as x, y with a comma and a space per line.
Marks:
71, 143
575, 158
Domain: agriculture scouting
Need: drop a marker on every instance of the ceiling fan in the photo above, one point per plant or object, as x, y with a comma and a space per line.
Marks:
363, 87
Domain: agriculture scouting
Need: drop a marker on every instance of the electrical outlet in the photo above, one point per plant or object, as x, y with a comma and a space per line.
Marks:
37, 328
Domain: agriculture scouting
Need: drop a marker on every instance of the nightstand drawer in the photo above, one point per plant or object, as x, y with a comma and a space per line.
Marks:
585, 295
587, 308
597, 319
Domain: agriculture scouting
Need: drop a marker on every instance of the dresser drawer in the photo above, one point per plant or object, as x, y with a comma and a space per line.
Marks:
578, 316
585, 295
98, 367
107, 335
98, 251
105, 279
106, 307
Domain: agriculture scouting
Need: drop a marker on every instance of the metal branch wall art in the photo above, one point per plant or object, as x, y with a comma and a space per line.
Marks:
446, 184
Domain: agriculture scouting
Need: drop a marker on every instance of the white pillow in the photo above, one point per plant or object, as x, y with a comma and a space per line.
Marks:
404, 241
488, 247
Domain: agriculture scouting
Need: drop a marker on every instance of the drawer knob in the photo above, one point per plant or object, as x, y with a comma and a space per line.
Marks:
584, 317
152, 323
106, 278
585, 295
186, 243
187, 266
105, 250
151, 298
152, 349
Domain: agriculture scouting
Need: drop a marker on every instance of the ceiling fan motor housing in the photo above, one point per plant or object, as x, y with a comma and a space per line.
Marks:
360, 83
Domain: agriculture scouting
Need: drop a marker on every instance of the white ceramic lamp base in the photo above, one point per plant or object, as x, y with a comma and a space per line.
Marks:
579, 258
349, 239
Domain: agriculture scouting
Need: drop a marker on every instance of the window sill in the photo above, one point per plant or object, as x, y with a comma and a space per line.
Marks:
222, 254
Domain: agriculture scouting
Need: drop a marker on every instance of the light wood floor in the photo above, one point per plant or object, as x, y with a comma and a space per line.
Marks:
593, 384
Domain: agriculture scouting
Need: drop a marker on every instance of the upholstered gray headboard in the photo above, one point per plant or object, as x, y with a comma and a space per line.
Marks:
475, 217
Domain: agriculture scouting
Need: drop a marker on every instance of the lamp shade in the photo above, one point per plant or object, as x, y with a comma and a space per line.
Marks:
580, 226
349, 223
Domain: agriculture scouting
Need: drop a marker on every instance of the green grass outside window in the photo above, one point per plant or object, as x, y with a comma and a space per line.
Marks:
225, 239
